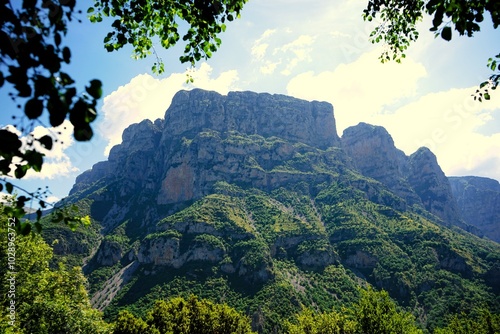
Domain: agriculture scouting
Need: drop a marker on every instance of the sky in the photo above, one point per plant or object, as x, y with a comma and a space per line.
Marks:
317, 51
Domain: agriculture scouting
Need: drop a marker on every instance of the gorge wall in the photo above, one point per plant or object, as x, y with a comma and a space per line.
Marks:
203, 139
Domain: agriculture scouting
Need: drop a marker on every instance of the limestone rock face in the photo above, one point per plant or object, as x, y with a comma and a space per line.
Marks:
109, 253
265, 142
178, 159
417, 178
374, 154
432, 186
478, 199
311, 123
166, 251
133, 160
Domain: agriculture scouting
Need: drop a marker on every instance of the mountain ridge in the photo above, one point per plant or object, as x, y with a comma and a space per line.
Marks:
256, 194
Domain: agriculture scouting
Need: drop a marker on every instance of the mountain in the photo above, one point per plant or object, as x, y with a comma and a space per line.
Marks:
479, 201
254, 200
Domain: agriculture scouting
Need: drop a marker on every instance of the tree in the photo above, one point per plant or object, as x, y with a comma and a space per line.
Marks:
37, 299
126, 323
482, 323
33, 56
181, 316
399, 20
307, 322
375, 312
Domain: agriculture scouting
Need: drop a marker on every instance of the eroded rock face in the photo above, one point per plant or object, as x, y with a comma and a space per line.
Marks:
267, 115
134, 160
478, 199
109, 253
165, 251
179, 158
432, 186
417, 178
374, 154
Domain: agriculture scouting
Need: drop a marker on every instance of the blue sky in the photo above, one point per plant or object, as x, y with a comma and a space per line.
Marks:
314, 52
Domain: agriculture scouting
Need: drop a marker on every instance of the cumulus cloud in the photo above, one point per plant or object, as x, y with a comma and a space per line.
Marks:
360, 89
147, 97
273, 51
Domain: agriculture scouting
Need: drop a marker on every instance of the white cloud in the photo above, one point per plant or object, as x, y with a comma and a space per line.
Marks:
52, 199
259, 50
359, 90
296, 51
269, 67
336, 34
449, 123
259, 47
286, 54
63, 136
146, 97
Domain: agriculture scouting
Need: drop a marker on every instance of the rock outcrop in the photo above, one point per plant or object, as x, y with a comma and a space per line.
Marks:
249, 113
478, 199
417, 178
432, 186
203, 128
374, 154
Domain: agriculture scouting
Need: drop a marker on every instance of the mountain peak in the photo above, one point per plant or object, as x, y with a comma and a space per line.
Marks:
254, 190
251, 113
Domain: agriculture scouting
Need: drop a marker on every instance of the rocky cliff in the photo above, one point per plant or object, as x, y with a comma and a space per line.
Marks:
204, 139
257, 193
479, 201
417, 178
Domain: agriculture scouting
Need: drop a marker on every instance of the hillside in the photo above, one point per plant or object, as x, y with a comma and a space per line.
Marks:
254, 200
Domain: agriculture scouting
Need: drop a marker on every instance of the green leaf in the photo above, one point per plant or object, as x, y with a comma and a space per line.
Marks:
95, 89
66, 79
46, 141
34, 159
85, 220
57, 110
20, 171
66, 55
57, 39
33, 108
83, 133
25, 228
5, 166
10, 142
446, 33
9, 187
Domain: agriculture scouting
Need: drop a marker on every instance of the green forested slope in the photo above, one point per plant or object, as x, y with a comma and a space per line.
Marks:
269, 254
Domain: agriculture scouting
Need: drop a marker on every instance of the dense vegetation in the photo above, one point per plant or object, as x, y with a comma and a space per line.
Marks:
200, 299
301, 249
36, 298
